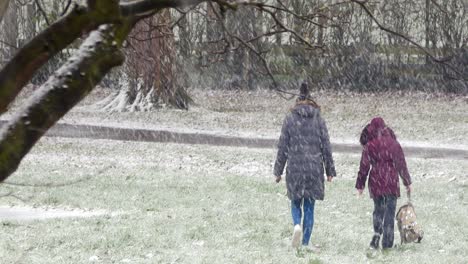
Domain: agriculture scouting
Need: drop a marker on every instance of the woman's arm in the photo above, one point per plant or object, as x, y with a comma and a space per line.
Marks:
326, 149
364, 168
400, 165
283, 148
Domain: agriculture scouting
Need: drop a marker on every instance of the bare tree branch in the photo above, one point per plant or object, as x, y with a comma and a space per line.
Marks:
41, 10
443, 61
142, 7
67, 6
20, 69
184, 14
97, 55
285, 28
8, 44
258, 53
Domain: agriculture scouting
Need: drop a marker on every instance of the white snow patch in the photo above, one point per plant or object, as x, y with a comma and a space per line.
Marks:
93, 258
30, 213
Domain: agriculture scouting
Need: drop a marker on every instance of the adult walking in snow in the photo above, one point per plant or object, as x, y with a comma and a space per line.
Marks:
305, 146
383, 156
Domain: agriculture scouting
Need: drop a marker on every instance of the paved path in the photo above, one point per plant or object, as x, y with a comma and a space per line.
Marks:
131, 134
101, 132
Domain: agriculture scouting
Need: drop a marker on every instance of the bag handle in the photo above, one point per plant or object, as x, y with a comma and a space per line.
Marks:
408, 194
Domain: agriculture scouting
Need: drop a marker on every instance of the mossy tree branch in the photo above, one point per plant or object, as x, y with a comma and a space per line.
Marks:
71, 83
21, 68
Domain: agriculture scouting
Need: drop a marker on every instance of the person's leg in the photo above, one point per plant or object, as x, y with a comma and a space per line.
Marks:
377, 217
296, 213
308, 224
389, 221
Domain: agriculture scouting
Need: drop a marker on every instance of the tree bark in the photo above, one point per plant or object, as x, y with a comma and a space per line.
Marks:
10, 30
20, 69
150, 67
427, 23
3, 8
167, 89
185, 49
30, 30
71, 83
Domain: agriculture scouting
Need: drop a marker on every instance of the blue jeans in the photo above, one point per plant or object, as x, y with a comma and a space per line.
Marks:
308, 223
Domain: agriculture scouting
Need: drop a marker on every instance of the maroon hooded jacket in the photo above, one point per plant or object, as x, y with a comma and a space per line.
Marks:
384, 157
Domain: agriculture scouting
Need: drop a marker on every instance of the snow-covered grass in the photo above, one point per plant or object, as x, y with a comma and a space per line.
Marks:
418, 119
205, 204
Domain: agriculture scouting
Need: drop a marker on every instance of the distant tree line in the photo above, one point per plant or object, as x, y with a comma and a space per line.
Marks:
66, 48
332, 44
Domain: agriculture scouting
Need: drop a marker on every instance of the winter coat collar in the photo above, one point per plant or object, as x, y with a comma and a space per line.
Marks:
305, 108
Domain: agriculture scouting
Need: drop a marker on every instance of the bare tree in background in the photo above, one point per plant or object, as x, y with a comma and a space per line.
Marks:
106, 25
100, 29
150, 68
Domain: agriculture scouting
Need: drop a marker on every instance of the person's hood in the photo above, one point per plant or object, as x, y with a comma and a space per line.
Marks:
305, 110
377, 123
378, 128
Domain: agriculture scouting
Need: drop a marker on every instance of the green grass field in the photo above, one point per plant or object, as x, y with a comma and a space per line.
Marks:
170, 203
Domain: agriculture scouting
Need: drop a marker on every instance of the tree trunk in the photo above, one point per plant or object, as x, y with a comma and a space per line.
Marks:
10, 34
150, 67
3, 8
242, 63
213, 25
30, 27
185, 48
427, 23
165, 82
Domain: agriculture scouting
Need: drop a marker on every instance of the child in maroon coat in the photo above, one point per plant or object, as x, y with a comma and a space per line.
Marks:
383, 156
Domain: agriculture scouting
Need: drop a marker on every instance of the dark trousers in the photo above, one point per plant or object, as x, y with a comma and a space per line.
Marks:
384, 218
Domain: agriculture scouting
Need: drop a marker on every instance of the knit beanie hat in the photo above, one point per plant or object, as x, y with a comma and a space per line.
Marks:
303, 92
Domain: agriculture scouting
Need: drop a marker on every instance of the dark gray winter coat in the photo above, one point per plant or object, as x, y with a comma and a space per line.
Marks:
305, 145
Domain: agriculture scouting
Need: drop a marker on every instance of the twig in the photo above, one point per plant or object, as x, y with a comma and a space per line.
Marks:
41, 10
248, 45
184, 14
298, 36
65, 10
443, 61
8, 44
